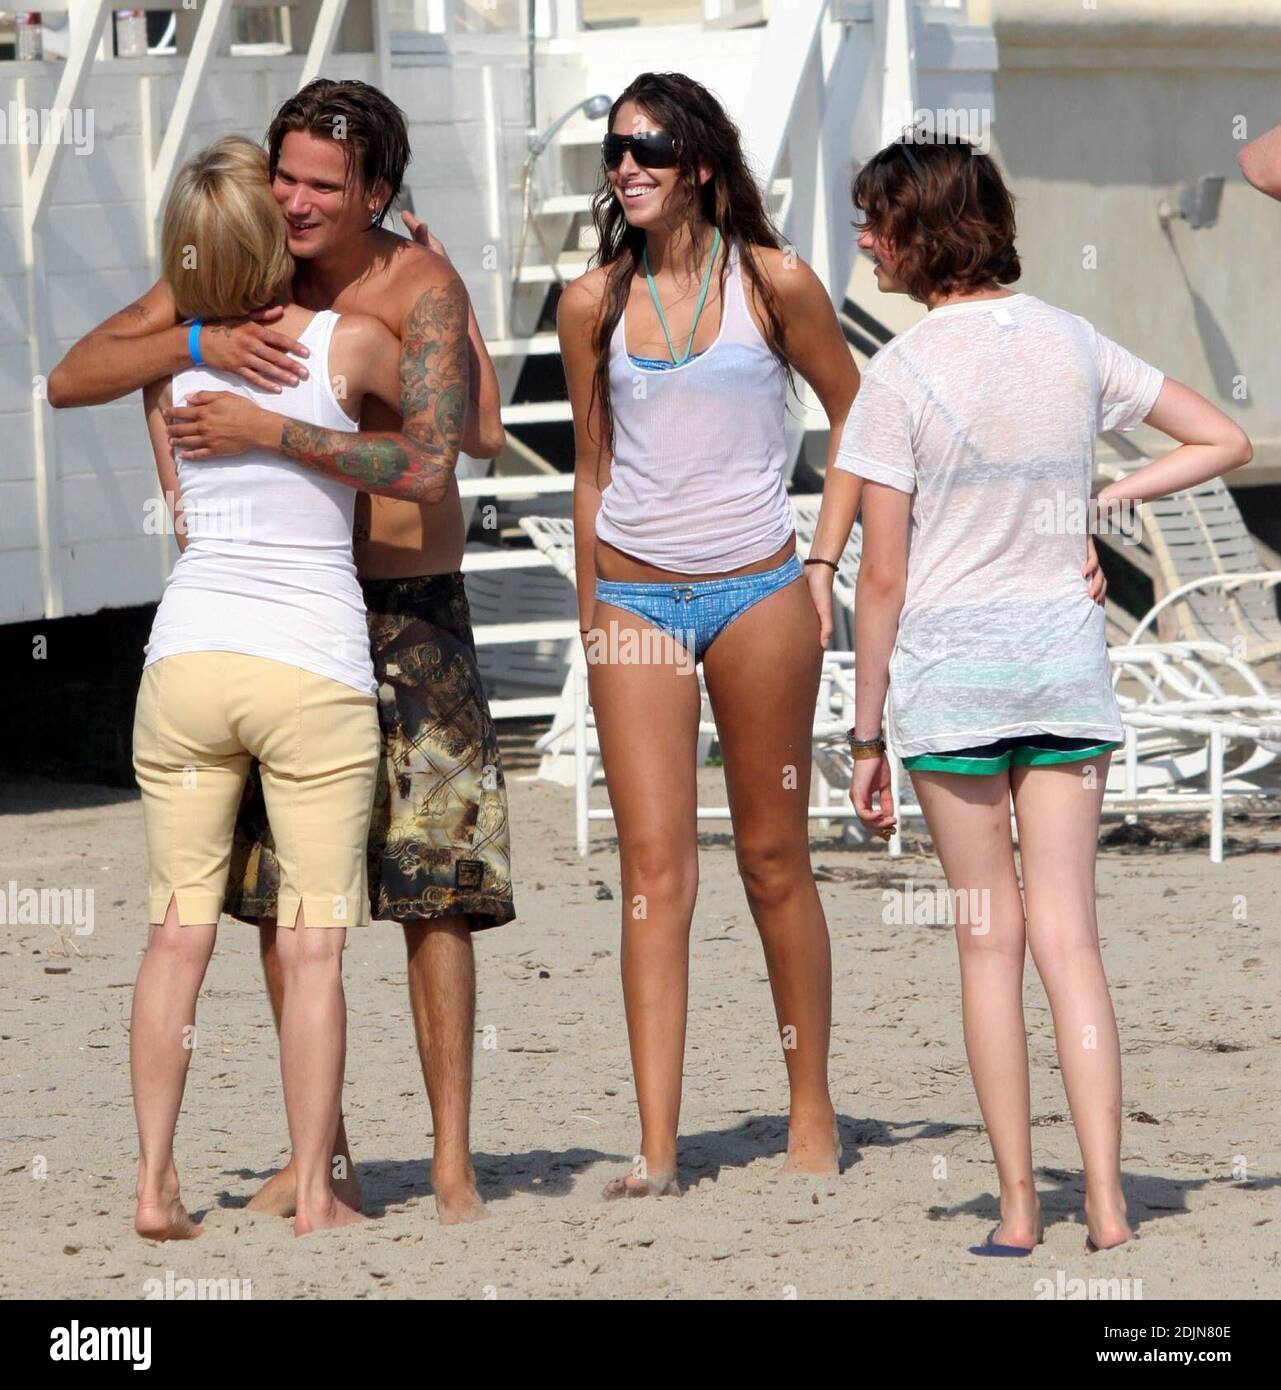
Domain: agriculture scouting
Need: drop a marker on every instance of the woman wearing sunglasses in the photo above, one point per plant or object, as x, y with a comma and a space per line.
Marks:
974, 435
679, 346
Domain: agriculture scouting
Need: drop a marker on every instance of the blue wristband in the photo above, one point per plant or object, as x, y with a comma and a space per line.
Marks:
193, 342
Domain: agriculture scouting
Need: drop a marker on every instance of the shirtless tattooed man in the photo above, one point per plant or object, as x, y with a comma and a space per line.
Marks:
439, 849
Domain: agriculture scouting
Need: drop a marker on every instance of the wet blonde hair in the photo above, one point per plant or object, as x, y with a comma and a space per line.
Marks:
222, 246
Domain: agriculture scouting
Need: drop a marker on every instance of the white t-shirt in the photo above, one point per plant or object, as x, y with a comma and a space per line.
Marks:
986, 412
268, 568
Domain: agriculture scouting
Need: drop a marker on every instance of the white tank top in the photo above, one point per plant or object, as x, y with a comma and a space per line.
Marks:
696, 481
268, 569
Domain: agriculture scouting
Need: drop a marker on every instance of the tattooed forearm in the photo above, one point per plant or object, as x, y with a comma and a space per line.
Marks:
418, 461
391, 464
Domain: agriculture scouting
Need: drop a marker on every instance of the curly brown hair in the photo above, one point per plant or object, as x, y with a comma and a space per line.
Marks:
730, 200
944, 211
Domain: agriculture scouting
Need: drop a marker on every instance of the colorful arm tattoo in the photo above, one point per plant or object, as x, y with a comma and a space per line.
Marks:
417, 462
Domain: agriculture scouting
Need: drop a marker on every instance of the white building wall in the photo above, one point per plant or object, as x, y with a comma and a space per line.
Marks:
1100, 114
467, 117
93, 246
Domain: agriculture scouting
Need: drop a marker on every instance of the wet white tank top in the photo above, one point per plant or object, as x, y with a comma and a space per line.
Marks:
268, 569
696, 483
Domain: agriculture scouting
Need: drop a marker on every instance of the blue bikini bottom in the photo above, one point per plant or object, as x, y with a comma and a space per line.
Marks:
698, 612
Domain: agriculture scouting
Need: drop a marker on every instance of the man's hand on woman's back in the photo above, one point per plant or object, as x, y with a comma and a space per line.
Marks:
254, 350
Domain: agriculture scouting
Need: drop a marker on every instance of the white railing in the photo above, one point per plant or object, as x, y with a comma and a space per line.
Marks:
823, 97
817, 97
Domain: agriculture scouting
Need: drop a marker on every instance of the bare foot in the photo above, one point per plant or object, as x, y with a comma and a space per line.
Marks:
1105, 1230
813, 1149
458, 1202
655, 1185
1024, 1231
278, 1195
164, 1219
326, 1217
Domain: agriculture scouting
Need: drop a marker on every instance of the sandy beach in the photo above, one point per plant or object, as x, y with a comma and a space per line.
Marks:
1191, 949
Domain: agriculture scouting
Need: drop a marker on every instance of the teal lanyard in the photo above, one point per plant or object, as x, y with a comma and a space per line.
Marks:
702, 299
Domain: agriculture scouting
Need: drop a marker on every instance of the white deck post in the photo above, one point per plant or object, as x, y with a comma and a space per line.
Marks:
1131, 771
790, 37
209, 33
382, 44
895, 22
1216, 794
581, 778
85, 19
567, 19
326, 30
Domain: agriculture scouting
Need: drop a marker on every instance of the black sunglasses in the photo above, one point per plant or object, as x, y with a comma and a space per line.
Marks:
651, 149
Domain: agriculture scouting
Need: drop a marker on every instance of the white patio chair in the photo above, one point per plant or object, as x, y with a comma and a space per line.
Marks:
1182, 723
1186, 708
1212, 579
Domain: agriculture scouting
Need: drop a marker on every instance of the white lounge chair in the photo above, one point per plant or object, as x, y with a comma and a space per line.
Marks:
1212, 579
1186, 707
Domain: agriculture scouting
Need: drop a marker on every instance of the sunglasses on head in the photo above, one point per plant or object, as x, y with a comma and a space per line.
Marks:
651, 149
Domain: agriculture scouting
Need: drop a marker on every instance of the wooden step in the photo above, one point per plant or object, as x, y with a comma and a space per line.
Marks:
531, 707
538, 413
565, 203
521, 485
571, 265
537, 345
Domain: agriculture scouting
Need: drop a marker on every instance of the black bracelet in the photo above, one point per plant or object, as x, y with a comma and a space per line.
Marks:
817, 561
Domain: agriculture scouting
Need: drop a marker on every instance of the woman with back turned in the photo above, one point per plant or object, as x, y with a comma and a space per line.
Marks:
974, 435
259, 649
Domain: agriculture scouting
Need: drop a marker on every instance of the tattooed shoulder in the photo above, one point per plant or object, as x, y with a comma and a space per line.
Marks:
439, 308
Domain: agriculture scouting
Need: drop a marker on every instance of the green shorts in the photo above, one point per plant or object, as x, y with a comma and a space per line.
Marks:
1031, 750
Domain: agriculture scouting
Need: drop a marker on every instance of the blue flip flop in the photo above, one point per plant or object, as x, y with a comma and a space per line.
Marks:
995, 1248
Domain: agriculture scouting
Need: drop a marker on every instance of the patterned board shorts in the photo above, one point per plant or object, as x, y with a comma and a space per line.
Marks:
439, 842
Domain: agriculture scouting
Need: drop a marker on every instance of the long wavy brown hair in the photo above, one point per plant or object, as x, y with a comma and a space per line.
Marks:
730, 201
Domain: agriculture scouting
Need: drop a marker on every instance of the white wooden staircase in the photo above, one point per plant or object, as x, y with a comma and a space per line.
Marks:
828, 84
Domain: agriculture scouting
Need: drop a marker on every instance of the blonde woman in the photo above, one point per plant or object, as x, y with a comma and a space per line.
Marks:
258, 650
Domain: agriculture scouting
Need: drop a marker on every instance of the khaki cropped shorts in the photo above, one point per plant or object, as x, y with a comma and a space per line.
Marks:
202, 717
